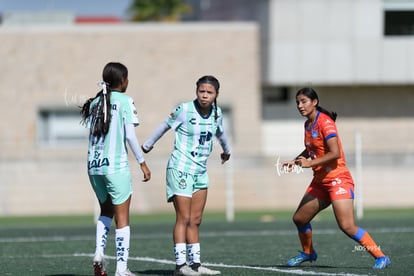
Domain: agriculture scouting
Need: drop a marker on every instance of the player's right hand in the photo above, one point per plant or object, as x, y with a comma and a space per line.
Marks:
146, 171
224, 157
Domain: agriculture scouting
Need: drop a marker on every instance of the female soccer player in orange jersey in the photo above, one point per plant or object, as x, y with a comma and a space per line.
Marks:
332, 182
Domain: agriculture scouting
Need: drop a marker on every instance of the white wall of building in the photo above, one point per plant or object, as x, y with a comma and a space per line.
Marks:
335, 42
56, 69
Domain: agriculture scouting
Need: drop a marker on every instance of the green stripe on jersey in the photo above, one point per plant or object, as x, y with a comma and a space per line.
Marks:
109, 154
193, 138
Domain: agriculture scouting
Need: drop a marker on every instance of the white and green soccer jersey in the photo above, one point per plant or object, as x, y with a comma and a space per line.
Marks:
108, 154
193, 137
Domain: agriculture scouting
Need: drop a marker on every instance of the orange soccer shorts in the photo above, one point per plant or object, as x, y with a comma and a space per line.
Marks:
340, 187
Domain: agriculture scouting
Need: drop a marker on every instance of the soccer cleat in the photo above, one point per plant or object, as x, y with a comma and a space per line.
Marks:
382, 262
206, 271
125, 273
99, 266
185, 270
302, 257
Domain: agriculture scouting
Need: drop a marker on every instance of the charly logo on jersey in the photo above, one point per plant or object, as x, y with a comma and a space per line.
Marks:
193, 121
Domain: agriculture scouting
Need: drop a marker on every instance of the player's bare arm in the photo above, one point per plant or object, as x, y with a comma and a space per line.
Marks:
332, 154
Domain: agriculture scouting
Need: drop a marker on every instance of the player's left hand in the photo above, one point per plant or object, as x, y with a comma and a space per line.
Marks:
224, 157
303, 162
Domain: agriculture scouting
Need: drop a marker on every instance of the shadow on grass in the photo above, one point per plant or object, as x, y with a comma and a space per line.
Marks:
144, 272
155, 272
66, 275
310, 266
304, 266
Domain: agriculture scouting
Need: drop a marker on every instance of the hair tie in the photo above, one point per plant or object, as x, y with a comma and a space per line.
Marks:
104, 92
103, 85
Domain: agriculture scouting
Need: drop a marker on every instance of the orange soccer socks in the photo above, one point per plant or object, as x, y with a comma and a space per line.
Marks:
368, 244
305, 236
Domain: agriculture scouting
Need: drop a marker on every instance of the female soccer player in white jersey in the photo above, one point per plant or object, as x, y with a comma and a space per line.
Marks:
111, 116
195, 124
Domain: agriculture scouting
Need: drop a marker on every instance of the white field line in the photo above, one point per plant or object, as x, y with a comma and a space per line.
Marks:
203, 234
272, 269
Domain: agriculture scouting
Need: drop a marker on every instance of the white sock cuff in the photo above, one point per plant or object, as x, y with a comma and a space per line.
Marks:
123, 230
180, 245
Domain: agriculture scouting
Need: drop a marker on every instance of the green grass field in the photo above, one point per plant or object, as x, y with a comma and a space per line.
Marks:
254, 244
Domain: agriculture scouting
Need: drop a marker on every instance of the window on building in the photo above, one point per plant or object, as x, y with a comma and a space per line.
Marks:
398, 17
61, 128
276, 102
275, 94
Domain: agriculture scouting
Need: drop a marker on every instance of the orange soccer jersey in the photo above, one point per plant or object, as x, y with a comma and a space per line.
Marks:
316, 136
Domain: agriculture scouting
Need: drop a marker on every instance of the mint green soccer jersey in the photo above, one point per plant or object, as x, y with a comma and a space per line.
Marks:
194, 135
109, 154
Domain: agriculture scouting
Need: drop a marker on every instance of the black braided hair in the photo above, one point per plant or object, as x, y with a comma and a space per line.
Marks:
113, 75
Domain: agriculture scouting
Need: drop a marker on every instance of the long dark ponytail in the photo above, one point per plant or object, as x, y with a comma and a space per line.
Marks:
311, 94
100, 114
